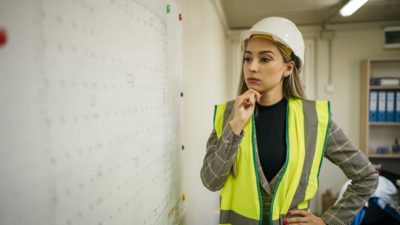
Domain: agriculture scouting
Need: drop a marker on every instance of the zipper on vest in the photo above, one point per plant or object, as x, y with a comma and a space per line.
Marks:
256, 168
284, 167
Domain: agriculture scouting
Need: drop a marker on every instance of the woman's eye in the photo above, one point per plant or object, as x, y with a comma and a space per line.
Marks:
265, 60
246, 59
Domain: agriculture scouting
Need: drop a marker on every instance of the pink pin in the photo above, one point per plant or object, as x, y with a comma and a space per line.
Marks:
3, 37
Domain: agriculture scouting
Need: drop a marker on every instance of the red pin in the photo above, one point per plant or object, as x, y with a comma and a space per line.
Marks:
3, 37
180, 17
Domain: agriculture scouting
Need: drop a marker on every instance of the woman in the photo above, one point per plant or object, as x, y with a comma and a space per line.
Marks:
267, 146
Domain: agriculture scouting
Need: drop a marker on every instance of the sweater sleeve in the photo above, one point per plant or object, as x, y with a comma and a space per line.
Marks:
220, 156
356, 166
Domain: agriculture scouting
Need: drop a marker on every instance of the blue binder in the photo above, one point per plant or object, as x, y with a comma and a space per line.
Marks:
373, 106
381, 106
390, 106
397, 105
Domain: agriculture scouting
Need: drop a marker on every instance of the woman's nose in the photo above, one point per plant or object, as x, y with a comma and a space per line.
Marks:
253, 66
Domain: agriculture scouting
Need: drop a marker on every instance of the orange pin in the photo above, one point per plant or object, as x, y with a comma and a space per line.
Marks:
183, 197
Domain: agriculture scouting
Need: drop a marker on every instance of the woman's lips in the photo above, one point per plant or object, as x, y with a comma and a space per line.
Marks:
253, 80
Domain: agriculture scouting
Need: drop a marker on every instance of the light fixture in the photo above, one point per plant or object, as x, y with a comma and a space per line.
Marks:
351, 6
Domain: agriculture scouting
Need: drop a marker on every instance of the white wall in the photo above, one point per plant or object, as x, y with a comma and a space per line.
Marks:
205, 74
88, 108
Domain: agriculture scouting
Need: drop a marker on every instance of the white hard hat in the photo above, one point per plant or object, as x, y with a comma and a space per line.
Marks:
281, 30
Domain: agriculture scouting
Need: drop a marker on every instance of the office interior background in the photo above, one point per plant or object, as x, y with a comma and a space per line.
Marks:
106, 106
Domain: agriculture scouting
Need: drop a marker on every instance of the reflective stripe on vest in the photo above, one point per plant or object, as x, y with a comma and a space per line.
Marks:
245, 206
308, 124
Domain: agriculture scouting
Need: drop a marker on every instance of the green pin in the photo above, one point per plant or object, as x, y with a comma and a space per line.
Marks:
168, 8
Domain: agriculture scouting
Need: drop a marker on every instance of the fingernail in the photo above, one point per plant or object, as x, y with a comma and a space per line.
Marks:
285, 222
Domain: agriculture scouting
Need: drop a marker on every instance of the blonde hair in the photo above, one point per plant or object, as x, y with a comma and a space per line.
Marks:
292, 84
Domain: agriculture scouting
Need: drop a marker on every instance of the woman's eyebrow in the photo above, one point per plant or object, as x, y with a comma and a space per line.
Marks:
260, 53
264, 52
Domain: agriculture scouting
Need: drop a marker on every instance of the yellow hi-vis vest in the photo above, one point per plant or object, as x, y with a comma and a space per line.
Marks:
307, 127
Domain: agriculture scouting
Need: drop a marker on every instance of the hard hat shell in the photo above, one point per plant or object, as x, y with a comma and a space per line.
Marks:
281, 30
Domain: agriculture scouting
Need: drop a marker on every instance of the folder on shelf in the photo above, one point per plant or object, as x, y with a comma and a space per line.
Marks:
381, 106
373, 106
390, 106
397, 105
390, 81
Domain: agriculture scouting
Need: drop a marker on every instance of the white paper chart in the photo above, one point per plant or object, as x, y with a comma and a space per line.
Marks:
90, 106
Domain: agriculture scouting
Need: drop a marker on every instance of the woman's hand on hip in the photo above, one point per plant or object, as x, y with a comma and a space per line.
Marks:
243, 109
302, 217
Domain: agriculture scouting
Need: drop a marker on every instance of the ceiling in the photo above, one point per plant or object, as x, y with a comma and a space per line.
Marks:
242, 14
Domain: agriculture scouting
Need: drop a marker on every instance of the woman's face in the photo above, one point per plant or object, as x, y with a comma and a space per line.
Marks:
264, 66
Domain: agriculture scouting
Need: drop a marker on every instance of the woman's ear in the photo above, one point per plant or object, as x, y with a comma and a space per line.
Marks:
289, 68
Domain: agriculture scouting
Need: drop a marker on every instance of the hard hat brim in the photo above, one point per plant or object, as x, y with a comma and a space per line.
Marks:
247, 34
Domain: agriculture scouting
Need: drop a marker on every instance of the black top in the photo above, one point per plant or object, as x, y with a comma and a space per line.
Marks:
271, 137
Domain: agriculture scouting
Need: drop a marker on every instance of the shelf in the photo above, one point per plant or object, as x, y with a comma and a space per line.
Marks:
384, 123
377, 134
391, 155
386, 59
394, 87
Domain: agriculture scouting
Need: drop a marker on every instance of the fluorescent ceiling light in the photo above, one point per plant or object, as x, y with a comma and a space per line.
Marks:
351, 7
